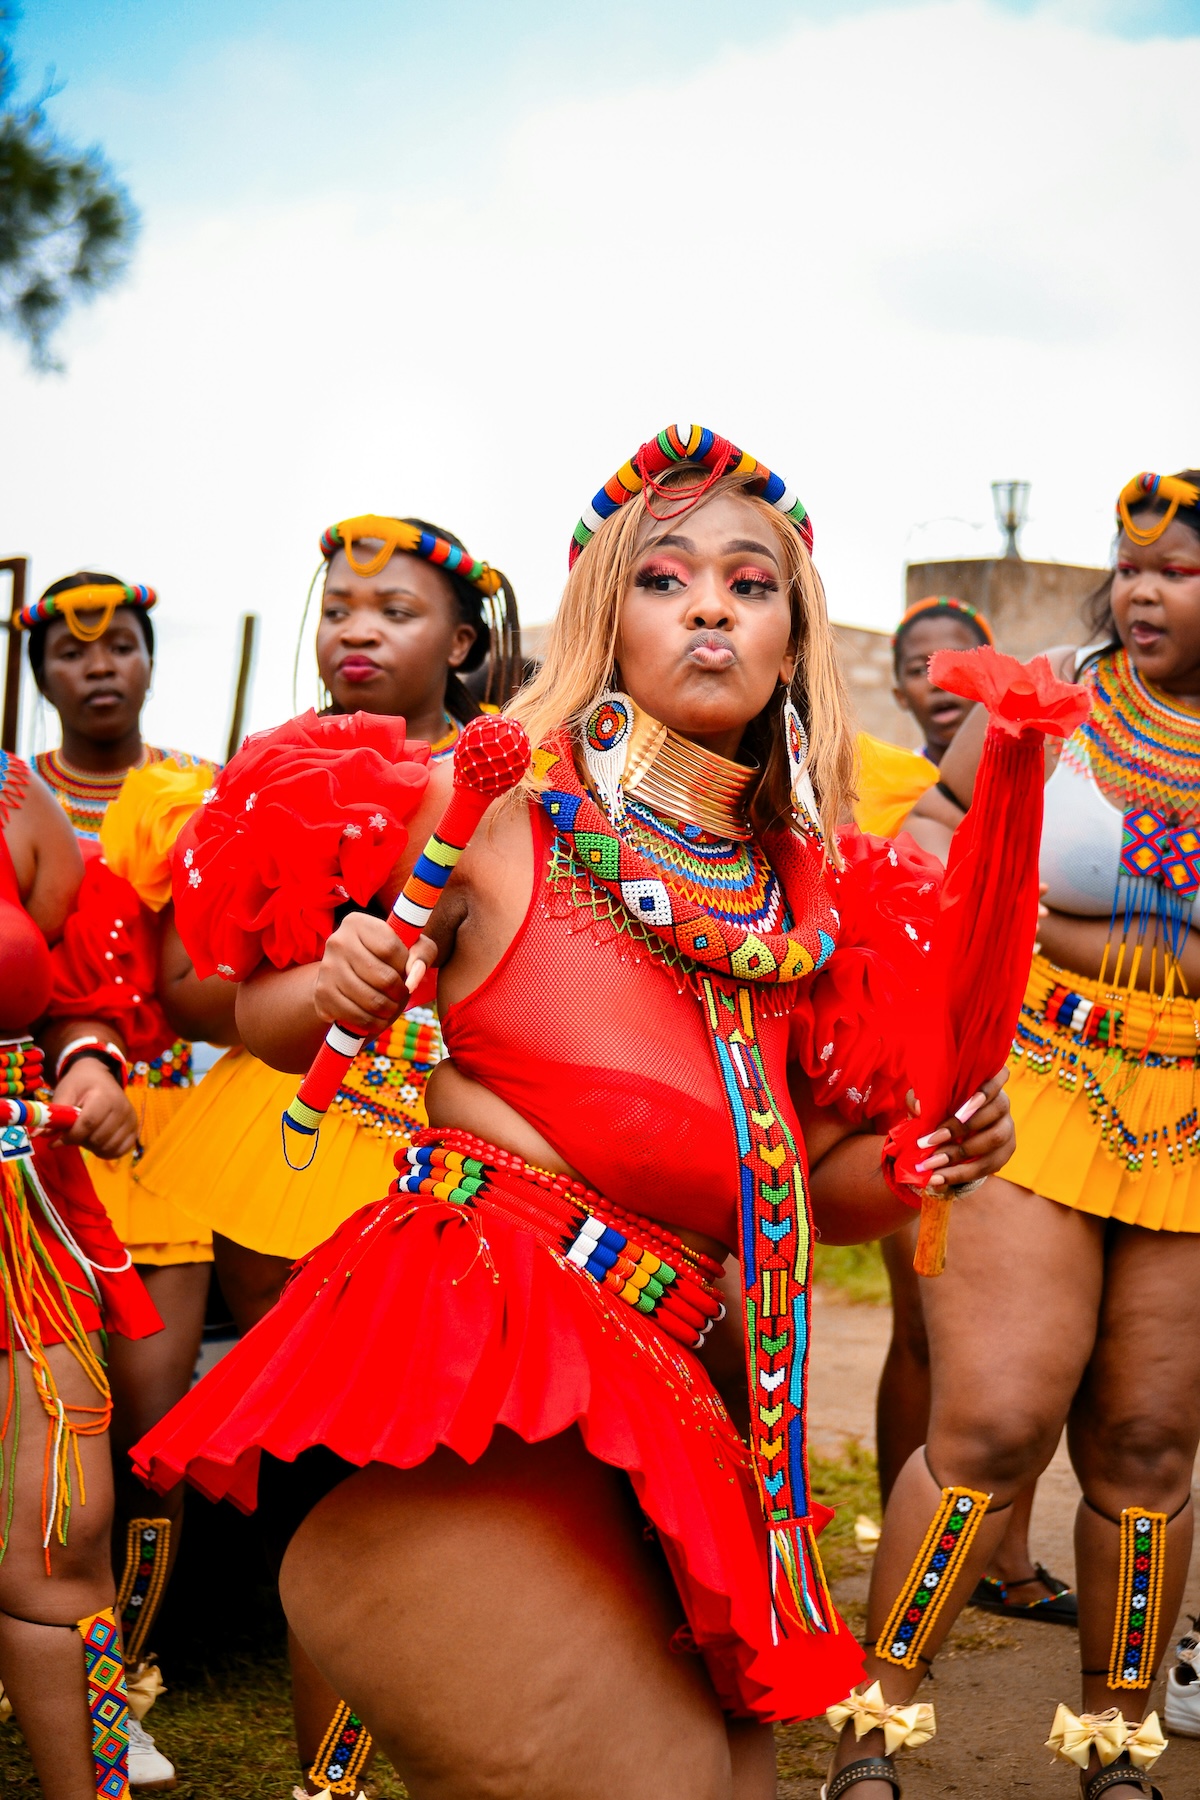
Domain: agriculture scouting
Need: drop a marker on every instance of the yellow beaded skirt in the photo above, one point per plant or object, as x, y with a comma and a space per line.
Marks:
224, 1162
154, 1228
1105, 1091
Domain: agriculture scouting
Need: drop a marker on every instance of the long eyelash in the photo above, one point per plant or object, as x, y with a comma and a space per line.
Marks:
759, 577
656, 571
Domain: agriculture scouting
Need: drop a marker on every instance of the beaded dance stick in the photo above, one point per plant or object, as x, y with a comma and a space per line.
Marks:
37, 1115
489, 759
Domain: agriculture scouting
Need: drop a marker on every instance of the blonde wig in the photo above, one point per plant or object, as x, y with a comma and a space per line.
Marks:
581, 656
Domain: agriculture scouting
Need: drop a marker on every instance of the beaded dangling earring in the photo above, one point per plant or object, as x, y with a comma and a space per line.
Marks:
804, 800
606, 733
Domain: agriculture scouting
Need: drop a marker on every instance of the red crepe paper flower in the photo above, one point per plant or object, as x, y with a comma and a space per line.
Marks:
304, 819
1019, 696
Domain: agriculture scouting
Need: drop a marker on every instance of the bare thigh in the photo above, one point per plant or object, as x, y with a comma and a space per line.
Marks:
81, 1579
150, 1374
504, 1628
1011, 1326
1136, 1419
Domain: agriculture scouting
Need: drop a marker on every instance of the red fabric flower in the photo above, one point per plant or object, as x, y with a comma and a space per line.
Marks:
303, 819
106, 965
1019, 696
855, 1031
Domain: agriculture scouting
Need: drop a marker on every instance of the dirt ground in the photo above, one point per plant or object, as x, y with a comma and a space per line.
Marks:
996, 1691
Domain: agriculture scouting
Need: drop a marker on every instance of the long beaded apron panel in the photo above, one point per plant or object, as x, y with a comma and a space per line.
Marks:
718, 913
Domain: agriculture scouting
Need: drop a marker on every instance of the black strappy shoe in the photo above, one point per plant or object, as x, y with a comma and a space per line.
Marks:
1059, 1607
1118, 1774
867, 1768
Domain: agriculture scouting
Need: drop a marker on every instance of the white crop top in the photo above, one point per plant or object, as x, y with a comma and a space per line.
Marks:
1082, 832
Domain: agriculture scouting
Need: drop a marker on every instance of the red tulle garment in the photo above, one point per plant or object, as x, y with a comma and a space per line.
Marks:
50, 1195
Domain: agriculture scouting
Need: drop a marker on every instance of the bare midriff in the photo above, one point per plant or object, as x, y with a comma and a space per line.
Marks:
454, 1101
1080, 945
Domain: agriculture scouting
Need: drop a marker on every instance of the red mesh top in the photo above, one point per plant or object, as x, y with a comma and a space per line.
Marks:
592, 1042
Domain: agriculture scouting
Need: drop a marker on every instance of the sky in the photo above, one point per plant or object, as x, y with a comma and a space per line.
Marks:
459, 260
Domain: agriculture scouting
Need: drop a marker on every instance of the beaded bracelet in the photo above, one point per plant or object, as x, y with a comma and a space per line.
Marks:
107, 1053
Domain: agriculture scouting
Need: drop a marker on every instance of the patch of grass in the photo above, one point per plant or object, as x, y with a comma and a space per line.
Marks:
855, 1271
850, 1484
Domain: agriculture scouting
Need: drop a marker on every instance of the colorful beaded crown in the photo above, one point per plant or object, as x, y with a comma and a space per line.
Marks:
687, 444
1145, 488
102, 597
943, 603
396, 535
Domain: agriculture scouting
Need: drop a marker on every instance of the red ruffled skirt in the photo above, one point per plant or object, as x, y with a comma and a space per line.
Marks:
30, 1242
423, 1323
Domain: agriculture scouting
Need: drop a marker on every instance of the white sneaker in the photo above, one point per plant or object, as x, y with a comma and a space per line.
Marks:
1182, 1710
149, 1769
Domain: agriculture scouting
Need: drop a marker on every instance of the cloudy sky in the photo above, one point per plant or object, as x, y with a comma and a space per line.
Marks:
461, 259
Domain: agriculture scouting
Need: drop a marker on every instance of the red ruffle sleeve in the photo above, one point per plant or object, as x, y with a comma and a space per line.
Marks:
106, 965
856, 1031
303, 819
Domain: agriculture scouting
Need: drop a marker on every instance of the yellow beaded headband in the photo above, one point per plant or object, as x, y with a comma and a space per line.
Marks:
396, 534
102, 597
1145, 488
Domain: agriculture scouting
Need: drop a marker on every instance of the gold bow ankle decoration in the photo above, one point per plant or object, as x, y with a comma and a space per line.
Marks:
902, 1726
144, 1684
1074, 1735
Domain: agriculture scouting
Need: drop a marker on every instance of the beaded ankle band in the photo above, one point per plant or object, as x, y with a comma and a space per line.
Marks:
642, 1263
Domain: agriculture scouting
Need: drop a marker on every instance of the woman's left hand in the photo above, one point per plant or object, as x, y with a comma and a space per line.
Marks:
976, 1142
107, 1124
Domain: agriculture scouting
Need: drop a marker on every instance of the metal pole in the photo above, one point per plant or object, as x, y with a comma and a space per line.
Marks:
18, 568
241, 691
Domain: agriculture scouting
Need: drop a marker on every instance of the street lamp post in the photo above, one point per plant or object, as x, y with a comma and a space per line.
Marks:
1011, 500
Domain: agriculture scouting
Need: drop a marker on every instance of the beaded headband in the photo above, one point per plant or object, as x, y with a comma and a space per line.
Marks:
1146, 487
410, 541
943, 603
691, 444
103, 597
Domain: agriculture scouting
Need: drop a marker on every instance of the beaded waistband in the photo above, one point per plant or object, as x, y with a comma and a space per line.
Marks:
22, 1069
1126, 1019
641, 1263
173, 1069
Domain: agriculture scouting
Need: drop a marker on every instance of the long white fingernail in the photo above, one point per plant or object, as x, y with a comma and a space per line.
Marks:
970, 1107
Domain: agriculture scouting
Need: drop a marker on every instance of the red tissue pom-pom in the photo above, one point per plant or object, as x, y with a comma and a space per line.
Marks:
303, 819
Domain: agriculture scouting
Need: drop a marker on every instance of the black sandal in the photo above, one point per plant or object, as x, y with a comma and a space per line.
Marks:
1118, 1774
867, 1768
1059, 1607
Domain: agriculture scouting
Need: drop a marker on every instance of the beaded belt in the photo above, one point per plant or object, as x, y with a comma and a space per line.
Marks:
173, 1069
1082, 1017
642, 1263
22, 1072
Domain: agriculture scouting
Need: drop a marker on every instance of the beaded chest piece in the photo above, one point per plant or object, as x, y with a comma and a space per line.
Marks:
740, 927
1144, 755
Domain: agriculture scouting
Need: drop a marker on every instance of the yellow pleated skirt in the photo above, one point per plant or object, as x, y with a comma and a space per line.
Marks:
153, 1226
1105, 1091
224, 1166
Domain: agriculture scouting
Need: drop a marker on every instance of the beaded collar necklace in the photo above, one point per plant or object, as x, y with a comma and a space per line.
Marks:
1140, 748
684, 781
83, 796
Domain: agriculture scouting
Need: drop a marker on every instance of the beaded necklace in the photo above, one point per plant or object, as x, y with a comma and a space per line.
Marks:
1140, 749
84, 797
740, 943
1144, 754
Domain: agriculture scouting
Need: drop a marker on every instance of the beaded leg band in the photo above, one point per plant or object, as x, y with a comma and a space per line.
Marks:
1133, 1660
952, 1531
143, 1581
642, 1263
344, 1754
104, 1669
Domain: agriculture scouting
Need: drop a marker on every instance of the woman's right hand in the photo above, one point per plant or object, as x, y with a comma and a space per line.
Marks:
362, 981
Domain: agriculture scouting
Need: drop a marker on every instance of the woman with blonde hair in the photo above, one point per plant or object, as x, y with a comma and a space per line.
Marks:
528, 1542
